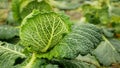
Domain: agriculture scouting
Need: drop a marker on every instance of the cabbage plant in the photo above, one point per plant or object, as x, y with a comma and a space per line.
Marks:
48, 35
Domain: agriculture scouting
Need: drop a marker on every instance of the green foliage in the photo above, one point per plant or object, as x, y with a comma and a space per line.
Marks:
96, 15
8, 32
50, 40
104, 12
8, 54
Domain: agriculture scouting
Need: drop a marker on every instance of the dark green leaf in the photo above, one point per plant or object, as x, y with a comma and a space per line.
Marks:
106, 53
8, 32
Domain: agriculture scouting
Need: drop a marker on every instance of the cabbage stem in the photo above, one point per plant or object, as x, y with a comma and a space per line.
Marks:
29, 65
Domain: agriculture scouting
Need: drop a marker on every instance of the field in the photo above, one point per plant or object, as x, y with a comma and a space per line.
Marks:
59, 34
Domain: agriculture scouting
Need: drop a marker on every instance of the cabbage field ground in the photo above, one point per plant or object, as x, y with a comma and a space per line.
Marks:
59, 33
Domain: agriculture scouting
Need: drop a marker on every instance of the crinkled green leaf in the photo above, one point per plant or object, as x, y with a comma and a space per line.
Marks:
21, 8
81, 40
42, 31
106, 53
8, 32
9, 53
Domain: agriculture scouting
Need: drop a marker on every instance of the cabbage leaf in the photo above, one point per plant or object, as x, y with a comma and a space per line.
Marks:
107, 53
40, 31
8, 32
8, 54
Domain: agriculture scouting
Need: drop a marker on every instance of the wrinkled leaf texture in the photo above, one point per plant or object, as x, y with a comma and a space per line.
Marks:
83, 39
41, 31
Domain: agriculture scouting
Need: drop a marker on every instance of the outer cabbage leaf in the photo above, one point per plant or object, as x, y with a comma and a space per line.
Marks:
8, 32
41, 31
106, 53
21, 8
9, 54
81, 40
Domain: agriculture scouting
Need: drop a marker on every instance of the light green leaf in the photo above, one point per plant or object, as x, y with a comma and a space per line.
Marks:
9, 54
42, 31
83, 39
8, 32
21, 8
106, 53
